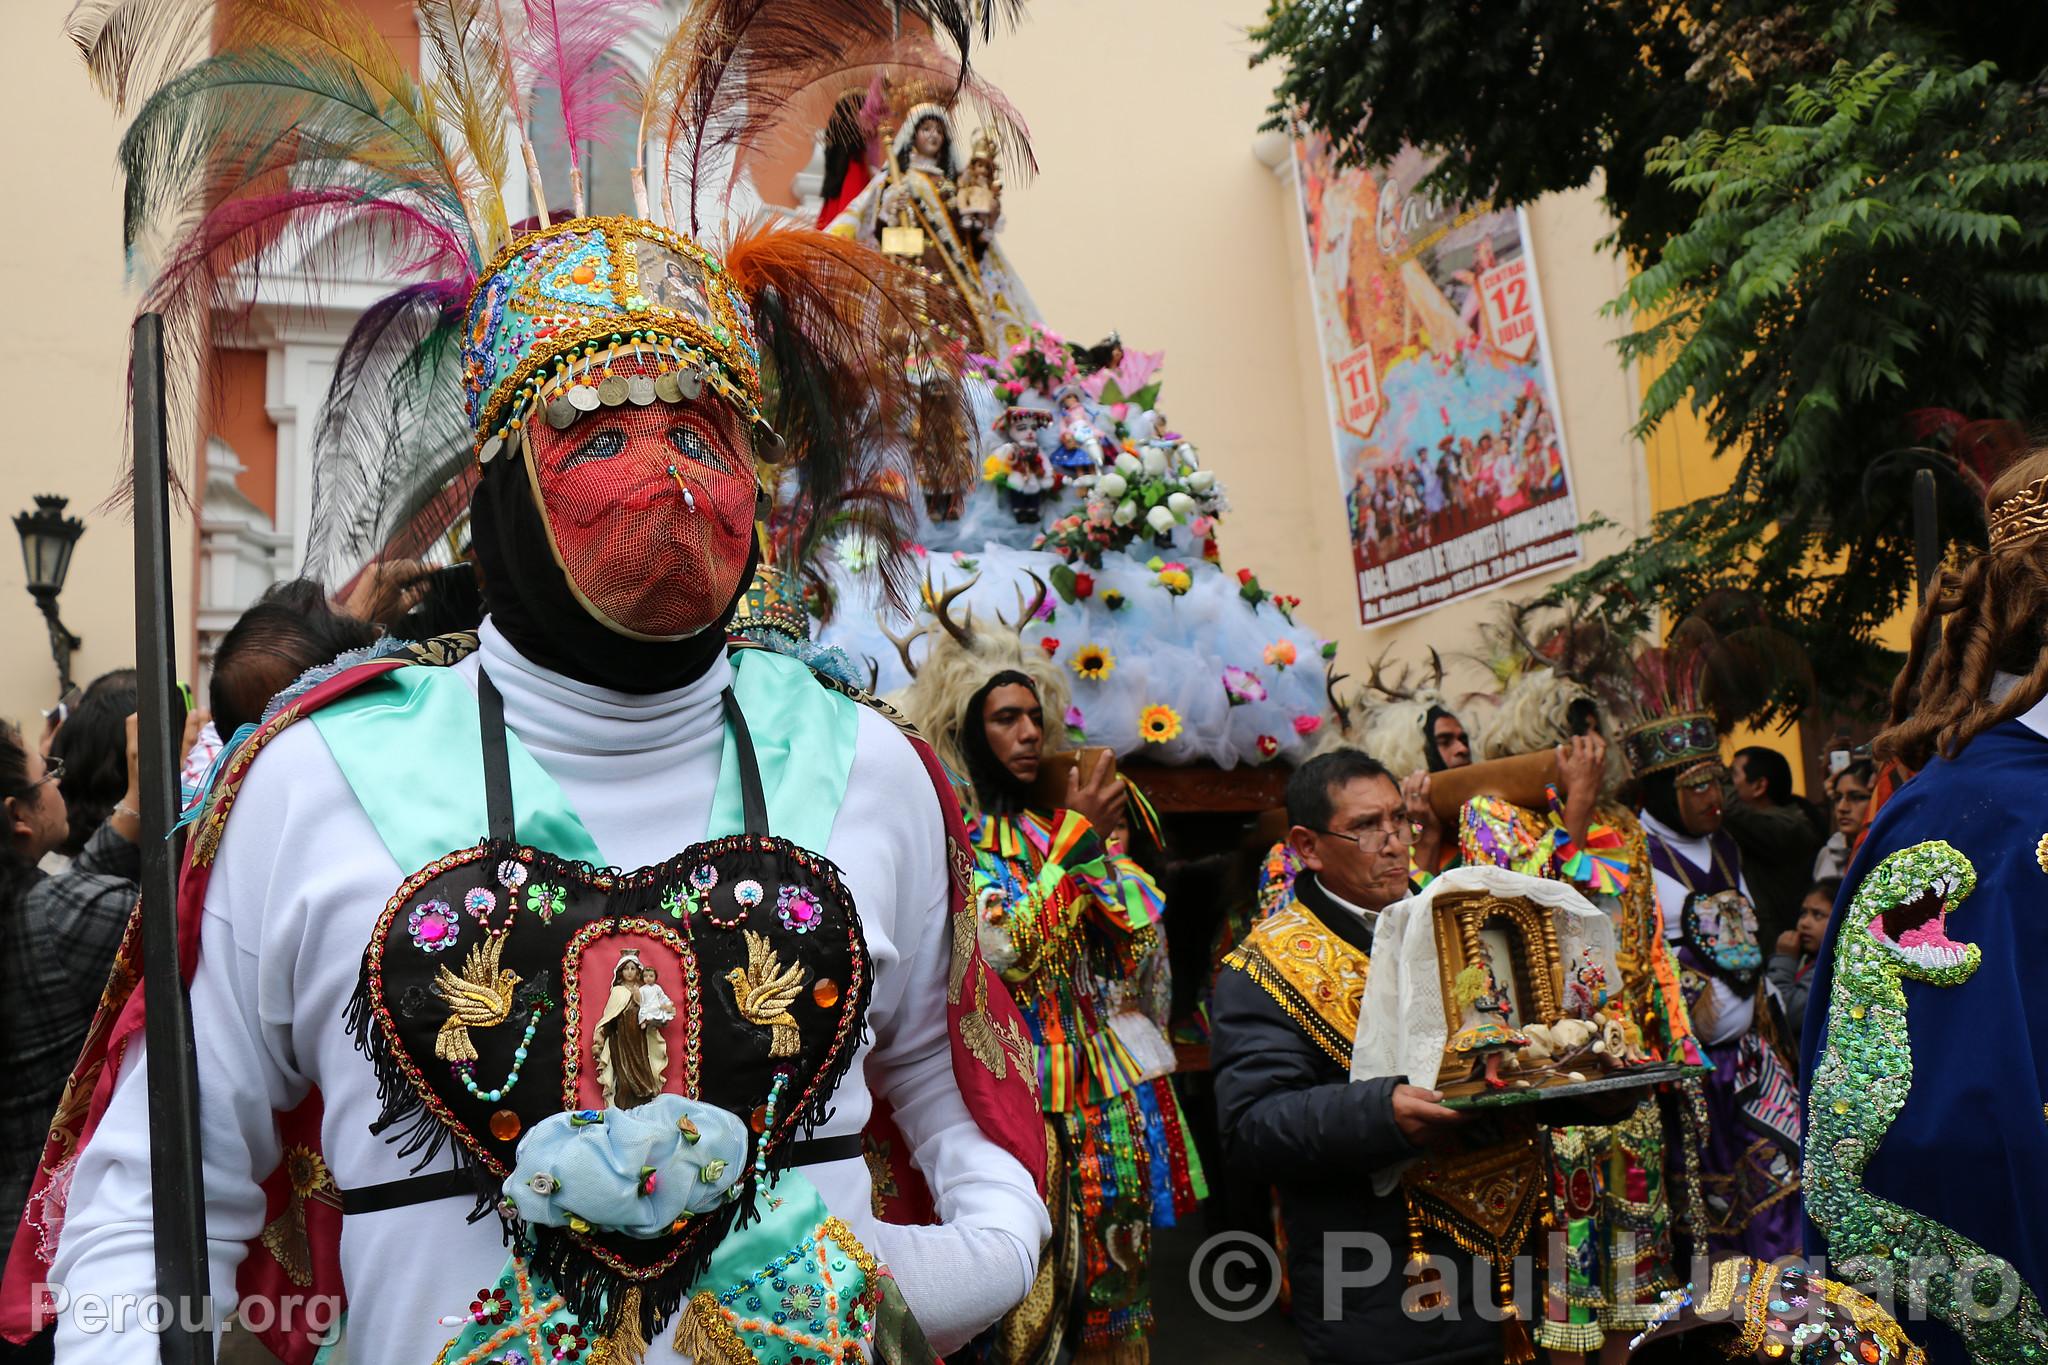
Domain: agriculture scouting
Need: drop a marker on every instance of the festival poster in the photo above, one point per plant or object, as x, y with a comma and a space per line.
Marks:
1450, 451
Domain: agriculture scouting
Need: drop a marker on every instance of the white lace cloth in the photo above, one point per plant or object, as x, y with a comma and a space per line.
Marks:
1402, 1029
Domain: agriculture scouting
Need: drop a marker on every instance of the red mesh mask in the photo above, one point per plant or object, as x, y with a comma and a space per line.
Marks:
649, 509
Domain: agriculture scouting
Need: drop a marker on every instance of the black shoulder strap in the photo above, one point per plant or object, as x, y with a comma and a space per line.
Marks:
497, 761
753, 805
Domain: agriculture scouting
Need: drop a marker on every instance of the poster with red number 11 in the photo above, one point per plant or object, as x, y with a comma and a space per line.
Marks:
1510, 311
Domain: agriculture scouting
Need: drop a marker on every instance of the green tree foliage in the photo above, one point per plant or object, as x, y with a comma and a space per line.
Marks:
1839, 215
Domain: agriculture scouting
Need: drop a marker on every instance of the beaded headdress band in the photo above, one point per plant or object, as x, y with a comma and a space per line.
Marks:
1690, 741
2021, 516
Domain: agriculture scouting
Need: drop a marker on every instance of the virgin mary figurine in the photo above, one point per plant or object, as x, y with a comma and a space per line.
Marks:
632, 1055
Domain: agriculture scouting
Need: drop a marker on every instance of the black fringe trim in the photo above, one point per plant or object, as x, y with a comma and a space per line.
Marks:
595, 1292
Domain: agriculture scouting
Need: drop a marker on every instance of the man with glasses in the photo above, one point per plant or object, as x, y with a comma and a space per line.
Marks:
1283, 1015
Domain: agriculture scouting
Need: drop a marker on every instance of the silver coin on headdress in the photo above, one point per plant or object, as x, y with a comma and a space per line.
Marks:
491, 450
668, 389
584, 398
611, 391
640, 390
691, 382
561, 413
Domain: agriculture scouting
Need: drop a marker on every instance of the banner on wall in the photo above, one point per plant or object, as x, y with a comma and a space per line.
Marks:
1443, 406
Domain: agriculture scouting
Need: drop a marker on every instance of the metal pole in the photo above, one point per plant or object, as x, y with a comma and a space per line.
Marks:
1926, 538
177, 1194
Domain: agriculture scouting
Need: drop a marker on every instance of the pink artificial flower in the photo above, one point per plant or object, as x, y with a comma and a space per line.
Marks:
1242, 685
1307, 725
1073, 718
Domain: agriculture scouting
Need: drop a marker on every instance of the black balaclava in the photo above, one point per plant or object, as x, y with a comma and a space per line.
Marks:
996, 788
1660, 798
530, 601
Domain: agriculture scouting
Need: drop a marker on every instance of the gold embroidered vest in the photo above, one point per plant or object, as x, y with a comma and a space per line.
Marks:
1314, 975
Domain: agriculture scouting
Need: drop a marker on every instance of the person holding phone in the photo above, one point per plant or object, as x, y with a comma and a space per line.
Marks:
1056, 923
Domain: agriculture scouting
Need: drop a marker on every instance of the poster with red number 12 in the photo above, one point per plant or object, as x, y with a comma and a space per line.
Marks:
1510, 311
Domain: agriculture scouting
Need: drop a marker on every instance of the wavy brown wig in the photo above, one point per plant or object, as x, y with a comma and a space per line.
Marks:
1987, 617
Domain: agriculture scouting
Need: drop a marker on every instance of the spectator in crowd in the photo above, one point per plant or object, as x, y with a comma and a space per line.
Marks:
290, 629
1791, 967
1778, 833
91, 748
1852, 788
58, 936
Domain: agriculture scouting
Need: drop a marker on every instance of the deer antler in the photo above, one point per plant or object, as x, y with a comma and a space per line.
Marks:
1331, 677
963, 633
875, 671
1026, 611
902, 643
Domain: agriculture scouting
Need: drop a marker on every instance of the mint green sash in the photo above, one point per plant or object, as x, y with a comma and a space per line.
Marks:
410, 745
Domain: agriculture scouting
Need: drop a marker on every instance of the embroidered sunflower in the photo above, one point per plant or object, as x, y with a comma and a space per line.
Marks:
1093, 662
1158, 724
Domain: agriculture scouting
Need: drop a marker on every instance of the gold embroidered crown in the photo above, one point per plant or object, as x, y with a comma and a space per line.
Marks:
2021, 516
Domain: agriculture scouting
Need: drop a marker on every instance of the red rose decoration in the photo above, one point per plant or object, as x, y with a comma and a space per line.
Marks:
1268, 746
1049, 645
1084, 585
1244, 575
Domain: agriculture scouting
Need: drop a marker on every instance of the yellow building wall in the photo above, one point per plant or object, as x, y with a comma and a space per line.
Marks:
67, 357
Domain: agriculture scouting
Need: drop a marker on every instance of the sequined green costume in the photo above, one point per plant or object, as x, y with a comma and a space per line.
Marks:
1894, 929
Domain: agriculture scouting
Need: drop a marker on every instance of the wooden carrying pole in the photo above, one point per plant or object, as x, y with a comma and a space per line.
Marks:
178, 1198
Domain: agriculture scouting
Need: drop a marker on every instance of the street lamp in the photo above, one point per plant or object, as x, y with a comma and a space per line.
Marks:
47, 536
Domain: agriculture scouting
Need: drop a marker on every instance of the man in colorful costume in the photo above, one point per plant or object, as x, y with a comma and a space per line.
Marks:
1748, 1108
1607, 1184
1063, 930
676, 1166
1283, 1016
1926, 1144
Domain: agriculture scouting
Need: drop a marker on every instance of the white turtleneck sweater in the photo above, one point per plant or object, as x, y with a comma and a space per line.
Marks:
300, 879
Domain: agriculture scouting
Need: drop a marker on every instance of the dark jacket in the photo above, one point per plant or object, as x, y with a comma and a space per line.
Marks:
1778, 844
1290, 1116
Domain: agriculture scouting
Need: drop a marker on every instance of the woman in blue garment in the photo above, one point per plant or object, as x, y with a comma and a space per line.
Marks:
1927, 1056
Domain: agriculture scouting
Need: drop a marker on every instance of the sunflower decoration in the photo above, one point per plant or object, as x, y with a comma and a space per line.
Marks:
1093, 662
1158, 724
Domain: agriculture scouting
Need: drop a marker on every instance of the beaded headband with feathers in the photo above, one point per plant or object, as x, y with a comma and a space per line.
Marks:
272, 134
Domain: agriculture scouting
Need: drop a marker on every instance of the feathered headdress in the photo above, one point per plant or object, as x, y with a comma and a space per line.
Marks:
1719, 666
292, 135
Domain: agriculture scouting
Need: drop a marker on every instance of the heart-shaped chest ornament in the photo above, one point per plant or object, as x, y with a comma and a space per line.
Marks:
505, 987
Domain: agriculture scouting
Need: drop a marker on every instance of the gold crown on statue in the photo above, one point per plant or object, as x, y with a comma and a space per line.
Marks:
2021, 516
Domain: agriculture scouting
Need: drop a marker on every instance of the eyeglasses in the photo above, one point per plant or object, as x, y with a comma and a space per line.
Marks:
53, 771
1402, 833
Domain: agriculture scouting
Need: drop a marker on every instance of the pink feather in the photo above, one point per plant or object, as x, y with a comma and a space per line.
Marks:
566, 51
